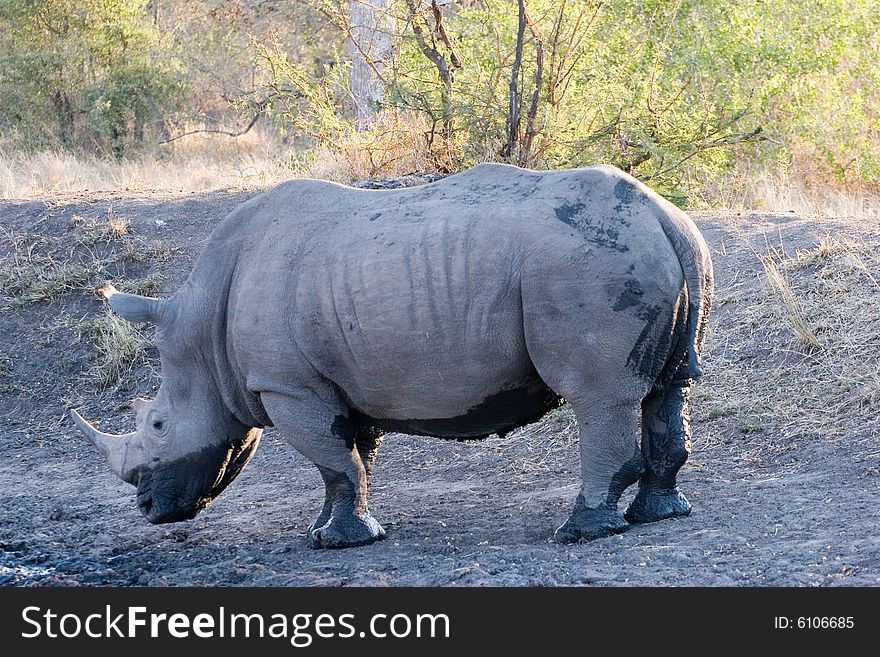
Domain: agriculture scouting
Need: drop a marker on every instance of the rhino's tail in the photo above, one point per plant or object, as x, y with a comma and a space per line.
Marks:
696, 263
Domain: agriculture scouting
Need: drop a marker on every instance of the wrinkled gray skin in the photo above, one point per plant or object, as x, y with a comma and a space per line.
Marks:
456, 309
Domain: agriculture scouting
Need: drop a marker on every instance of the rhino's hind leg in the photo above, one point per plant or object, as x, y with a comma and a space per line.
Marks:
610, 463
324, 435
666, 444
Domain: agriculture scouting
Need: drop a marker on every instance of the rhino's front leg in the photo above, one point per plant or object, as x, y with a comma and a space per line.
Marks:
367, 441
322, 432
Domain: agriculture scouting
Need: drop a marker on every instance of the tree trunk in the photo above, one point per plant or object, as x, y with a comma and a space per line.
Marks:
371, 30
153, 11
64, 113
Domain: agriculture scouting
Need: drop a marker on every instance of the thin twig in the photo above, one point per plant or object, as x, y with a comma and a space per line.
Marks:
538, 36
218, 131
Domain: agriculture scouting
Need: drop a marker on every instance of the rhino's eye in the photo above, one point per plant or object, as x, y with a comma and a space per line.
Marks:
158, 424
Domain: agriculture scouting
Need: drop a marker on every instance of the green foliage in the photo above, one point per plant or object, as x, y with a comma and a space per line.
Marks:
676, 92
215, 41
84, 71
671, 91
304, 100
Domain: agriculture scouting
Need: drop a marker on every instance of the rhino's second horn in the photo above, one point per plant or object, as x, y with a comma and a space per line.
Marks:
134, 307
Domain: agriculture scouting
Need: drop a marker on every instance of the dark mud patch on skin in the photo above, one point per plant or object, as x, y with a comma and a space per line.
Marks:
602, 234
631, 296
590, 523
568, 213
645, 357
178, 490
344, 428
499, 413
605, 238
628, 474
602, 229
658, 352
628, 194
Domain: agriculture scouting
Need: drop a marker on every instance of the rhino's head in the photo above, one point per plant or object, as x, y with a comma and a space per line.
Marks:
187, 445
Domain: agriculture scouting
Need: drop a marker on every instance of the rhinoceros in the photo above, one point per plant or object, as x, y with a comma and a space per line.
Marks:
458, 309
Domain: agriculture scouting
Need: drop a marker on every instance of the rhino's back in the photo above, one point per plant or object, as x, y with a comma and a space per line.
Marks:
410, 301
416, 313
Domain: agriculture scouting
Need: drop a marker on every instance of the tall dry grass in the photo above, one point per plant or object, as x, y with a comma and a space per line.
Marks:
762, 191
196, 163
396, 145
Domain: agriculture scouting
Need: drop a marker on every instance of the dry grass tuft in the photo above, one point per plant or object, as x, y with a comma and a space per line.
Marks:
118, 226
790, 310
118, 347
772, 377
92, 230
38, 271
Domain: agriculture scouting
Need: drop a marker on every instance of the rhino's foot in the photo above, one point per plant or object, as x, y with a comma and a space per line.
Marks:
346, 531
652, 504
319, 522
587, 523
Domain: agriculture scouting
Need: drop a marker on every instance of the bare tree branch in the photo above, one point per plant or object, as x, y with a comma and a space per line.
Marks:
439, 61
441, 30
213, 131
515, 96
259, 107
538, 36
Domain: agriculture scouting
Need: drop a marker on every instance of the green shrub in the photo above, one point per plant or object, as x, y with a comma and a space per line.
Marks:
84, 72
677, 93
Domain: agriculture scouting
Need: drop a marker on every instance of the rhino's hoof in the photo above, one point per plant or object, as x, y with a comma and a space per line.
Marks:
319, 522
586, 523
653, 505
347, 531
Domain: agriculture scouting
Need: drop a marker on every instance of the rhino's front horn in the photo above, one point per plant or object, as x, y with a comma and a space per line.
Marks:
122, 452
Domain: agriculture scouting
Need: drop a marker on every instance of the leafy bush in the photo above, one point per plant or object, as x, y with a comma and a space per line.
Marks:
677, 93
74, 72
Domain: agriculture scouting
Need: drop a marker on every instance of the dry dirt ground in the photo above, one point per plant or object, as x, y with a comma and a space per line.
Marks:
784, 478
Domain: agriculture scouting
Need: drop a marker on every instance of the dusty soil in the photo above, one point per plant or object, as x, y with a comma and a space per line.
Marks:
774, 502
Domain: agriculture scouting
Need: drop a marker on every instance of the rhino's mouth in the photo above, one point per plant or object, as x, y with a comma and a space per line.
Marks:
179, 490
144, 502
159, 508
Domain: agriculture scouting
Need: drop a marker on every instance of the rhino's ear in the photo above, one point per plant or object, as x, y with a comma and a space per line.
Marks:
133, 307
